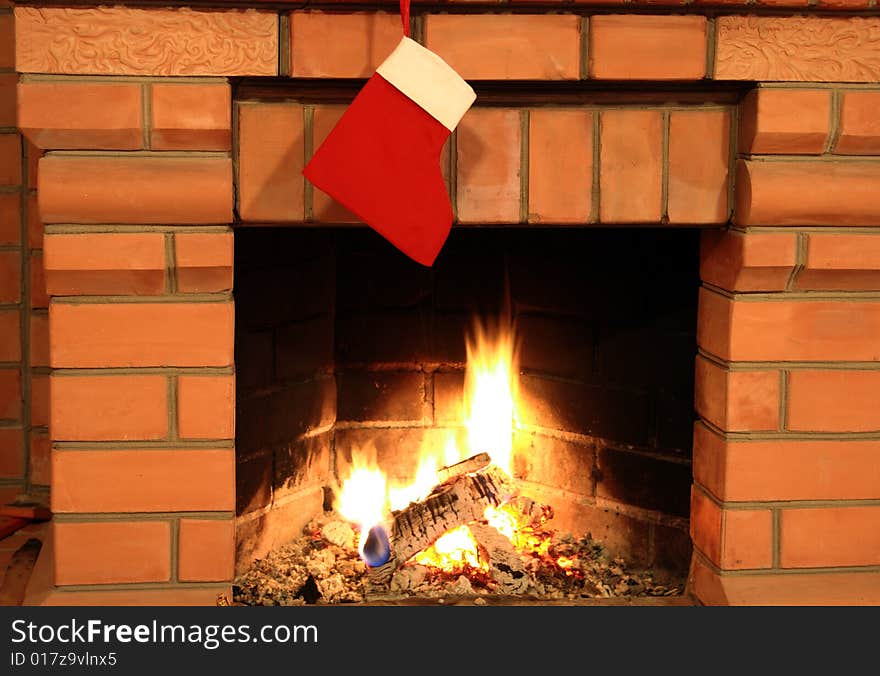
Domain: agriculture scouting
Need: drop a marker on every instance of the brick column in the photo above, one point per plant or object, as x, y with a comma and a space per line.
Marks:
136, 196
786, 499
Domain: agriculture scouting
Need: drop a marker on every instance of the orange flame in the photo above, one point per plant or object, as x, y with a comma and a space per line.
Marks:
489, 407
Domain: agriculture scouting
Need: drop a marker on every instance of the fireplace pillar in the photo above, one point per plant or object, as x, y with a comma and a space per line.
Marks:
137, 191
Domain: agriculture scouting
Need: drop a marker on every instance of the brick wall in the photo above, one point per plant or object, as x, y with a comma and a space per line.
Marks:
786, 454
137, 198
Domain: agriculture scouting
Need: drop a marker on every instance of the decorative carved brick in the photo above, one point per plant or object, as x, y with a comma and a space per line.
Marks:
125, 41
812, 49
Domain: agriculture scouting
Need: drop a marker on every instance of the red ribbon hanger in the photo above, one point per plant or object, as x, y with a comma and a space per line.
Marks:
404, 16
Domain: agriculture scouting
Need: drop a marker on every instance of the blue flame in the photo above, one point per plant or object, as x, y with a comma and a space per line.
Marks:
376, 549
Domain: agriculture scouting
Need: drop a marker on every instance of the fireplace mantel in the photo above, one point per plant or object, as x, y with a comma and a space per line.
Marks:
148, 141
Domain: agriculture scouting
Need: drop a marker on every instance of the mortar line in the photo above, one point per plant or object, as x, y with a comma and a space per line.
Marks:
710, 48
172, 386
835, 122
104, 517
127, 79
285, 55
752, 572
174, 554
170, 277
147, 114
790, 365
800, 260
783, 399
219, 297
789, 436
833, 159
104, 228
145, 370
777, 537
584, 60
144, 446
524, 124
751, 505
142, 154
308, 149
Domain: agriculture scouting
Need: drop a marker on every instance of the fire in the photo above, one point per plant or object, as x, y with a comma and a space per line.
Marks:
489, 407
490, 394
454, 552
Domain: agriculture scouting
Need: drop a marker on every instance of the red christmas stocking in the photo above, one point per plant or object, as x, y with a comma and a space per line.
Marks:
382, 159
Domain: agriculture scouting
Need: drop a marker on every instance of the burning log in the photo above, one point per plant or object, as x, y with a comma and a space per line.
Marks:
505, 564
462, 498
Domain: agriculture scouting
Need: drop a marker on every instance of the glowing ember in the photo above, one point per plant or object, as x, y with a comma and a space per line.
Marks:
454, 552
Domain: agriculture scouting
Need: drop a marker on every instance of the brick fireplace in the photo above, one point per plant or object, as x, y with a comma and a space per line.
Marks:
164, 148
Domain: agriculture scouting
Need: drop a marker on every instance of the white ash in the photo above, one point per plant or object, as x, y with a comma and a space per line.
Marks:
316, 568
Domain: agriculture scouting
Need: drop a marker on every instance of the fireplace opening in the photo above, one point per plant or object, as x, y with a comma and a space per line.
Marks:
348, 356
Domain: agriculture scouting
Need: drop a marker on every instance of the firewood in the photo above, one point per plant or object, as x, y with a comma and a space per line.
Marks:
18, 572
473, 464
505, 564
455, 502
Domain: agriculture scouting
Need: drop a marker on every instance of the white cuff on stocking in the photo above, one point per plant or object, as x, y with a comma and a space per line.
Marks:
429, 81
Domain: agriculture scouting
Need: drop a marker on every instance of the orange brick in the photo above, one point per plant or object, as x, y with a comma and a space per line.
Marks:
751, 261
141, 334
10, 159
143, 480
112, 552
39, 340
830, 536
732, 539
785, 121
10, 335
10, 218
737, 401
39, 298
807, 193
560, 166
507, 46
773, 589
10, 394
176, 190
834, 401
631, 155
699, 161
105, 408
11, 453
841, 262
206, 407
203, 262
341, 45
41, 448
324, 208
629, 47
270, 162
761, 470
859, 124
106, 263
8, 82
10, 276
207, 550
7, 41
489, 166
833, 330
39, 400
65, 115
191, 117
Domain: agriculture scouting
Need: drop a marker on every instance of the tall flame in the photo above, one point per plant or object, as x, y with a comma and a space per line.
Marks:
489, 414
490, 393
